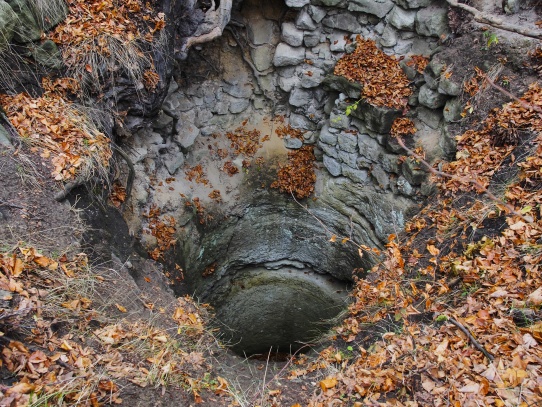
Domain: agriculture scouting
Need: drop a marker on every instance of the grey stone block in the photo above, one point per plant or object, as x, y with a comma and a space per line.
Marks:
432, 22
348, 142
26, 29
369, 147
286, 55
349, 159
312, 77
452, 110
329, 150
238, 105
382, 179
342, 21
304, 21
431, 98
413, 171
8, 20
291, 34
413, 3
328, 137
261, 31
297, 3
377, 118
298, 121
378, 8
401, 18
317, 13
339, 120
358, 176
332, 165
262, 57
300, 97
292, 143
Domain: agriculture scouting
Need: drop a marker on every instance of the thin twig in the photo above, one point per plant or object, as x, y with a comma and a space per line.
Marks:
463, 180
9, 205
476, 344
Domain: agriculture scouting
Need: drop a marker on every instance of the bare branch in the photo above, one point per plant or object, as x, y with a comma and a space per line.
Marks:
476, 344
528, 106
495, 21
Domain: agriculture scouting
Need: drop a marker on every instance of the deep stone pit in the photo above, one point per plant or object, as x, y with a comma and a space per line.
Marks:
264, 256
271, 274
278, 310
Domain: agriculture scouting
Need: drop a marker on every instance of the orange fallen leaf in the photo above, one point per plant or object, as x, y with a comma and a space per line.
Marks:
17, 267
328, 383
120, 308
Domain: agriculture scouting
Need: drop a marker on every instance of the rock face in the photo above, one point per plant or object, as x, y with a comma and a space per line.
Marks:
365, 190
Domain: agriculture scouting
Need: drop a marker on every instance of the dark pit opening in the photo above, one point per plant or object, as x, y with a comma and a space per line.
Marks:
277, 312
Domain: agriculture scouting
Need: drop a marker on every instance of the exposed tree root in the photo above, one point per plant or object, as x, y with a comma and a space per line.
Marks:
131, 173
495, 21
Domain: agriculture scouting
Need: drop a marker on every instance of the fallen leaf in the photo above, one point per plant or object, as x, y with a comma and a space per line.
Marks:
120, 308
21, 388
536, 296
470, 388
328, 383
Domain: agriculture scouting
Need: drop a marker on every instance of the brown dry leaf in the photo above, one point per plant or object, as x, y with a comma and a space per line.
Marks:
21, 388
120, 308
17, 267
222, 387
433, 250
536, 296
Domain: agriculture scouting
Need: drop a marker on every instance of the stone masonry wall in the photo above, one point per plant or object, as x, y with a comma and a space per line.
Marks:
289, 55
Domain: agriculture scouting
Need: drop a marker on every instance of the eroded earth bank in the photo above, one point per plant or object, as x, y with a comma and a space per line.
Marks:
271, 159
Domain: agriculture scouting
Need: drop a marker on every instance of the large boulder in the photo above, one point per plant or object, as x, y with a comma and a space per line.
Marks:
8, 20
49, 13
27, 29
47, 54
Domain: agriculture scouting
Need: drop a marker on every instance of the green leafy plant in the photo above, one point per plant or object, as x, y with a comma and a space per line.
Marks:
352, 107
491, 38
